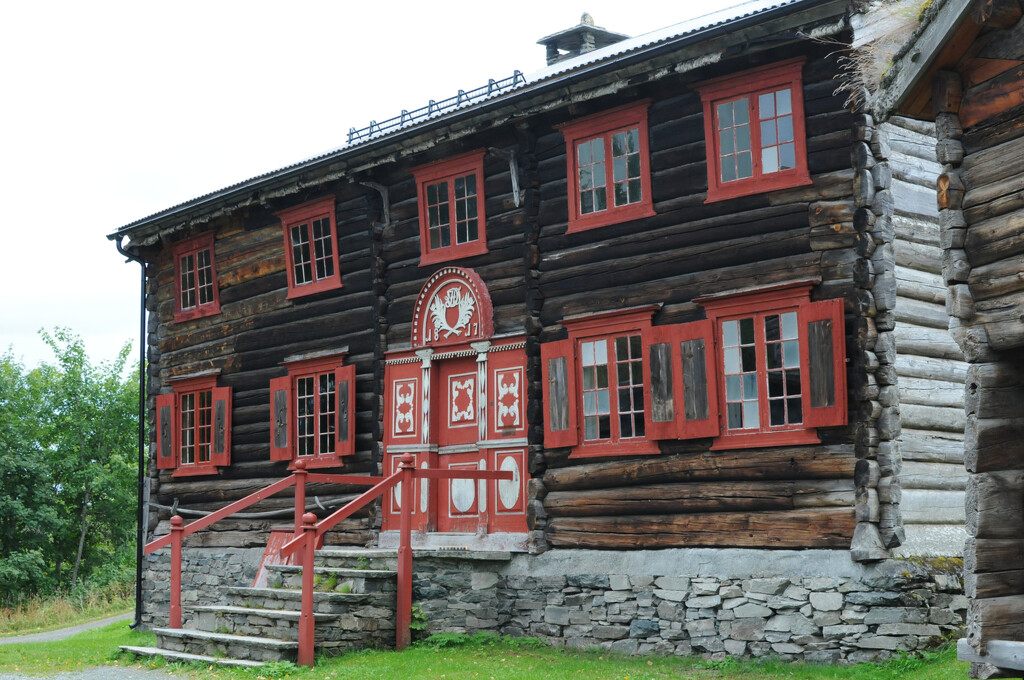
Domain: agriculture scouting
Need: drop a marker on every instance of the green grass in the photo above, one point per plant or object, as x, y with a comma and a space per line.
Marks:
39, 614
461, 657
97, 647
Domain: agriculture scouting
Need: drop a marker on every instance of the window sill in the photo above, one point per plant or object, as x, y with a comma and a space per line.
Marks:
604, 450
758, 185
611, 216
197, 312
314, 462
454, 253
305, 289
195, 471
755, 440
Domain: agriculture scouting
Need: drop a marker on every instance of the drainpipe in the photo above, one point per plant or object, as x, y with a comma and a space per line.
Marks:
142, 436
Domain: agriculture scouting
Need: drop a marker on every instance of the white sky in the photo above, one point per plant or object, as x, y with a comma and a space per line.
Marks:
112, 111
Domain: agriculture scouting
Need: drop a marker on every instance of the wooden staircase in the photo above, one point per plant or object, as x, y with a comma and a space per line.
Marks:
353, 604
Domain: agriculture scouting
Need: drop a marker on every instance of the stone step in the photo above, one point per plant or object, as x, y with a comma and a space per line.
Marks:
343, 579
185, 657
325, 603
282, 624
358, 558
226, 645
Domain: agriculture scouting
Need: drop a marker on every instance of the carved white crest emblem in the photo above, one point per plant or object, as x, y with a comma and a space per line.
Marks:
455, 298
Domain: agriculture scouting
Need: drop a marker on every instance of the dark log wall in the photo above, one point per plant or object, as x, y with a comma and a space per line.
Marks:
929, 364
690, 496
258, 327
980, 124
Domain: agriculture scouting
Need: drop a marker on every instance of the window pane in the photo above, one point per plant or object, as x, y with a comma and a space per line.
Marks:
750, 386
777, 412
784, 104
775, 384
625, 403
796, 415
600, 200
789, 326
601, 352
633, 140
623, 373
619, 144
729, 169
741, 111
590, 427
603, 403
602, 376
793, 382
726, 143
787, 156
586, 202
732, 359
587, 350
768, 133
744, 165
751, 417
743, 138
785, 124
735, 412
725, 116
732, 388
792, 352
619, 169
589, 373
621, 194
625, 426
774, 355
604, 427
749, 355
770, 160
730, 333
766, 106
597, 148
583, 153
589, 403
771, 327
634, 191
633, 165
638, 372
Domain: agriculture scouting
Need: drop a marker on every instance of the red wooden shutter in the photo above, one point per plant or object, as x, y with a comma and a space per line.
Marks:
824, 380
558, 368
699, 413
166, 432
664, 388
345, 381
221, 449
280, 408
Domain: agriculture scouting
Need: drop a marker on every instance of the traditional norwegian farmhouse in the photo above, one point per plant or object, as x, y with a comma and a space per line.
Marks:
666, 285
964, 71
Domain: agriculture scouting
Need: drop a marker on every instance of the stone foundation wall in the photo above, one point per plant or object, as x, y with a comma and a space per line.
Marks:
203, 572
815, 605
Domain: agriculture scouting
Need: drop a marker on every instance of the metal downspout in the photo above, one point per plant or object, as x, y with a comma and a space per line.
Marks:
142, 436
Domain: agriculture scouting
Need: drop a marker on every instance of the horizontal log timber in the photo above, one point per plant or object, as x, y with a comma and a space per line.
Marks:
934, 418
936, 343
993, 444
930, 506
931, 369
994, 504
994, 584
816, 462
933, 476
939, 393
229, 490
919, 313
686, 498
811, 528
915, 200
1000, 278
993, 554
997, 618
995, 239
919, 256
919, 285
999, 654
993, 164
934, 447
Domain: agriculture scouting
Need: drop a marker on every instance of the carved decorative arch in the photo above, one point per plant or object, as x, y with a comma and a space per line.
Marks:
453, 308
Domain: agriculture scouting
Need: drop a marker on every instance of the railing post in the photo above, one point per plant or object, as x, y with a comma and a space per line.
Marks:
307, 625
176, 530
407, 465
300, 494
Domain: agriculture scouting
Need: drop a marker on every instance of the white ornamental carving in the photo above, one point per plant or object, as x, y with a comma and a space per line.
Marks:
508, 409
454, 298
462, 387
404, 407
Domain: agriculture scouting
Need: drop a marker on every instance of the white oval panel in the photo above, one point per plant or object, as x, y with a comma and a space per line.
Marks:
463, 494
508, 489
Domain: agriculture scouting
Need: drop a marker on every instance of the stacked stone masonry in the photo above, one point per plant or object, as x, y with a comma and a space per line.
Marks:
821, 613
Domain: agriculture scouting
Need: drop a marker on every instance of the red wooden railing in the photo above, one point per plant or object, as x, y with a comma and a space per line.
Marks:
308, 532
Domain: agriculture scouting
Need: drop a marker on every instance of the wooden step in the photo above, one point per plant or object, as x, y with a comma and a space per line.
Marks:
225, 644
185, 657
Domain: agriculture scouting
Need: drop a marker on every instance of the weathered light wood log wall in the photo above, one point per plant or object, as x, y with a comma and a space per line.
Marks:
929, 364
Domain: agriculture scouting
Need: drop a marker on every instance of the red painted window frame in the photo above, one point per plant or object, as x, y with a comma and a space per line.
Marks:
305, 368
306, 213
192, 247
608, 326
447, 171
751, 83
758, 303
181, 389
604, 125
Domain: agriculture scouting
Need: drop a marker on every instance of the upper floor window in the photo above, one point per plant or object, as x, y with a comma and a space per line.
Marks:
451, 208
311, 411
194, 427
754, 130
310, 241
195, 279
608, 168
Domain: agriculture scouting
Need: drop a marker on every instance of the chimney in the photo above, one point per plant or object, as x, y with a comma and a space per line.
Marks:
579, 39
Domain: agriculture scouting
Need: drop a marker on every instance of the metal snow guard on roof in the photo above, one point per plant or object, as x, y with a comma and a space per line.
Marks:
435, 107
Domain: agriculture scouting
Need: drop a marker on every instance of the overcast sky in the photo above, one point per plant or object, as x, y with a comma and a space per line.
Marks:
113, 111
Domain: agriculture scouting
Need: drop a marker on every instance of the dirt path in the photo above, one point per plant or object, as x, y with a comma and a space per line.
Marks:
63, 633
